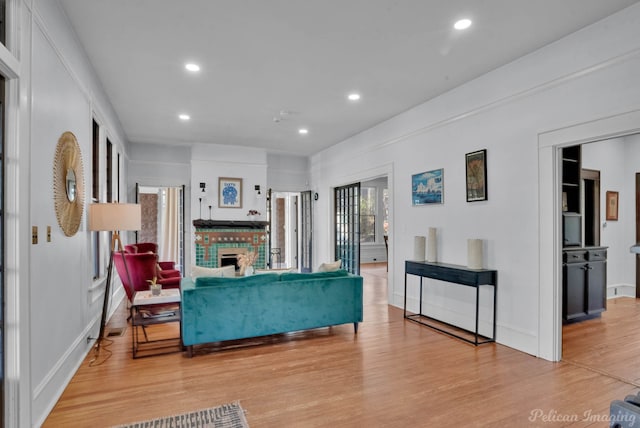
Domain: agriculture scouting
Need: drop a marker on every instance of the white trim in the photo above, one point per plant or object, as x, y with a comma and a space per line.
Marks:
17, 372
550, 279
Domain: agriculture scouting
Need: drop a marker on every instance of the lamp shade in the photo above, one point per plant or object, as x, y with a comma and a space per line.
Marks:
114, 216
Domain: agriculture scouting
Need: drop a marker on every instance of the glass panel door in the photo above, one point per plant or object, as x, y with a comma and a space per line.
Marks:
306, 231
347, 238
2, 250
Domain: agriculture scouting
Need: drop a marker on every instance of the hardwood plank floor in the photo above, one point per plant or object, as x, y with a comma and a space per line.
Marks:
392, 373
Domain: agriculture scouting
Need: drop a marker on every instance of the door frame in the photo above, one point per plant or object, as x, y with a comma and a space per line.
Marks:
549, 218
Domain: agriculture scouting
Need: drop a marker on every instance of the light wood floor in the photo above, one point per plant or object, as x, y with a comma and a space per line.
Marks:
393, 373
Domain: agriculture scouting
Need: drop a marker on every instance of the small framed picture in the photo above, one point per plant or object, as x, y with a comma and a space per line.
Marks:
428, 187
612, 206
229, 192
476, 171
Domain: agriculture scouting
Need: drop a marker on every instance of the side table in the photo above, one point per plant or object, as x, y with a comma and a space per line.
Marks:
147, 309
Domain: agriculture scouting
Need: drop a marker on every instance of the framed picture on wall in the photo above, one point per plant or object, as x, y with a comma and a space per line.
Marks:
229, 192
428, 187
476, 172
612, 206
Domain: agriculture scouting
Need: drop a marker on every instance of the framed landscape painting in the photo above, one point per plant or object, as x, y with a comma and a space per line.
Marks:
229, 192
476, 172
612, 205
427, 187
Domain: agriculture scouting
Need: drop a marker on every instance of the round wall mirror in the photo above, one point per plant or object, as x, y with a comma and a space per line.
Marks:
71, 185
68, 184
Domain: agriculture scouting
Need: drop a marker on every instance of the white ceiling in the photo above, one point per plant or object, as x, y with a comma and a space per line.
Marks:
301, 57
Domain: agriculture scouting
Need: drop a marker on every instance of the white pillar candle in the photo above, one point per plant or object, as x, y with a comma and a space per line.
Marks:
474, 253
419, 247
432, 246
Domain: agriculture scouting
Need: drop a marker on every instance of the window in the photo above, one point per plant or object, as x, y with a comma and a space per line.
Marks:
95, 196
385, 211
368, 211
109, 171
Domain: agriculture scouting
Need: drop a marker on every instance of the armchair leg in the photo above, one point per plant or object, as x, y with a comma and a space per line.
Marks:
355, 327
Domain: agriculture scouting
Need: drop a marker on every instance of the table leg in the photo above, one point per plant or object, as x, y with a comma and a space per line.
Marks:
405, 295
477, 310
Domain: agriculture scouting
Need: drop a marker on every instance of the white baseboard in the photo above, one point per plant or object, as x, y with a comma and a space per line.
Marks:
620, 290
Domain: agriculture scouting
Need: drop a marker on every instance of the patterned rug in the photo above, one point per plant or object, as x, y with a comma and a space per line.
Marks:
225, 416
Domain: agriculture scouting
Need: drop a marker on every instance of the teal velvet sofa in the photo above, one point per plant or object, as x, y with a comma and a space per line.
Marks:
218, 309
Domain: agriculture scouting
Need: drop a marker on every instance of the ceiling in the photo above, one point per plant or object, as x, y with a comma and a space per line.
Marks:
270, 67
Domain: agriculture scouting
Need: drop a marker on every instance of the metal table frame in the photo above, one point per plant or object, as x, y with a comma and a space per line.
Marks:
458, 275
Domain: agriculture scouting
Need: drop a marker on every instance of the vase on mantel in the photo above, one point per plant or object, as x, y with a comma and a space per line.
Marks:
248, 271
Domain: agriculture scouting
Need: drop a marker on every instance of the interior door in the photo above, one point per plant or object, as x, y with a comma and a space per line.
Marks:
306, 231
347, 226
2, 251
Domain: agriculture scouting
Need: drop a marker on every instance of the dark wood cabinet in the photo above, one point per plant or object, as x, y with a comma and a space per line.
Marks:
571, 179
584, 283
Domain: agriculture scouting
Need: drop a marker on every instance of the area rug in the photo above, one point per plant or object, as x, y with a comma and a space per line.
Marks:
226, 416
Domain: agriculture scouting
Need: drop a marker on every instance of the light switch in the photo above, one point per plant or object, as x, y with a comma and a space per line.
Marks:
48, 233
34, 235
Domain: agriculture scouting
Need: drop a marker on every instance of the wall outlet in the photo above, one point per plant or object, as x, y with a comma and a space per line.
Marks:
48, 233
615, 291
34, 235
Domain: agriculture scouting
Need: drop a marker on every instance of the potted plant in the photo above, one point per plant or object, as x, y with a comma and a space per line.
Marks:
155, 288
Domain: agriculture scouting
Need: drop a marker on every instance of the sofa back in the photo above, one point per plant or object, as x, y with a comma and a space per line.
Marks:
218, 309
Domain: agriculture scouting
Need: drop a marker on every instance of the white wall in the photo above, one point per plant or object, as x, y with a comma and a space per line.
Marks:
63, 304
588, 75
287, 173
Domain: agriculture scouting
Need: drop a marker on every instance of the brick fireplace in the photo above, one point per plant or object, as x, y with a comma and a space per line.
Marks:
219, 242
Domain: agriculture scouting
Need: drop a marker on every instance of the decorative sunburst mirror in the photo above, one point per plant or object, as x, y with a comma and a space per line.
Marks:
68, 184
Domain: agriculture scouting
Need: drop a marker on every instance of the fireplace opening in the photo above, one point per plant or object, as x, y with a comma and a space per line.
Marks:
229, 256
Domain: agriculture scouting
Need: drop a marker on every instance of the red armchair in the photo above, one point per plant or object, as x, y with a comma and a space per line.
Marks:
165, 270
142, 269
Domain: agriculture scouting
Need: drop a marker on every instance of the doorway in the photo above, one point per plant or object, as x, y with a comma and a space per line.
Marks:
550, 226
283, 253
163, 221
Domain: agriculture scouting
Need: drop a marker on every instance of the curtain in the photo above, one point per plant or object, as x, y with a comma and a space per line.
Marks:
168, 249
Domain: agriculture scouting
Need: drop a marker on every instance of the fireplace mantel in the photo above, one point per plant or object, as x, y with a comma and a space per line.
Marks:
214, 224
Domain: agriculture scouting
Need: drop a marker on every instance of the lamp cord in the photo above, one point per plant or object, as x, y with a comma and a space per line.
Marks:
102, 344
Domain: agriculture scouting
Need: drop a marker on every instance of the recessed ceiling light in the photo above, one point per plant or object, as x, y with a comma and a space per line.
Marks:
303, 131
353, 96
192, 67
462, 24
184, 116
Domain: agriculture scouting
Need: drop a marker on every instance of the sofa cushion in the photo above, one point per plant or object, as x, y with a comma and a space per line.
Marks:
276, 271
206, 281
297, 276
226, 272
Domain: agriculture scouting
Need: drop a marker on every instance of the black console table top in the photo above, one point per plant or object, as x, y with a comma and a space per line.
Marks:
458, 275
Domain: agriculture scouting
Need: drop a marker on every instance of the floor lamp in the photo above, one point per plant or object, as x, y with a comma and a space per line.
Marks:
115, 218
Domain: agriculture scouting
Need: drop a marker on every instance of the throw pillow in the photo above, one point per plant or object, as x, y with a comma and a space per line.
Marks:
223, 272
330, 267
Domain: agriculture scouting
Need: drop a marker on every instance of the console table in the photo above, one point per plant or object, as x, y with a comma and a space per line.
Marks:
458, 275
